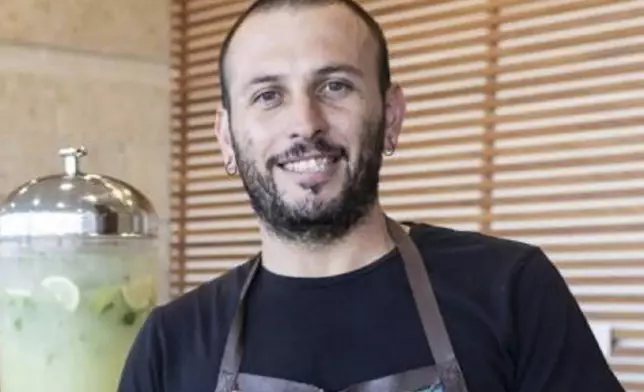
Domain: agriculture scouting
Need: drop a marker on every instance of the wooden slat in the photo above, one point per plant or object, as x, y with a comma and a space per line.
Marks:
569, 196
197, 77
629, 368
572, 230
571, 162
600, 90
623, 334
555, 9
593, 264
584, 126
206, 8
612, 316
226, 18
205, 271
571, 145
231, 189
219, 256
566, 111
218, 31
629, 352
214, 244
573, 41
570, 179
207, 99
398, 6
427, 189
429, 31
600, 247
571, 76
564, 214
210, 218
217, 231
421, 48
613, 299
213, 85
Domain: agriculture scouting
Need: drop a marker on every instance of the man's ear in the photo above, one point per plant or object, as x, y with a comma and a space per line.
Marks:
395, 108
222, 131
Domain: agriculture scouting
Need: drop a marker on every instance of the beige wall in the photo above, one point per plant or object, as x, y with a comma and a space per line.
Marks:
88, 72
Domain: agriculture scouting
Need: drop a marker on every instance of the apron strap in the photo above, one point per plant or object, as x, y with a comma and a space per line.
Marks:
233, 350
423, 293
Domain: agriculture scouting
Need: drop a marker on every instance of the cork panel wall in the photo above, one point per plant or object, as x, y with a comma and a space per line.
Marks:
132, 28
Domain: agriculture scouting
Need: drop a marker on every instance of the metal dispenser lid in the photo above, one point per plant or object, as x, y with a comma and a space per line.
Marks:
77, 204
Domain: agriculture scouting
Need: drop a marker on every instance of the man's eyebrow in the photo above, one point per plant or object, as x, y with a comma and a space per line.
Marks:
336, 68
262, 79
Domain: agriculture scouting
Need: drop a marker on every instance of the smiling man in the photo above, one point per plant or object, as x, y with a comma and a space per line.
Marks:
341, 297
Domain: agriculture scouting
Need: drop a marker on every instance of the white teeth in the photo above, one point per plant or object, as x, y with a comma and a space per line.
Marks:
313, 165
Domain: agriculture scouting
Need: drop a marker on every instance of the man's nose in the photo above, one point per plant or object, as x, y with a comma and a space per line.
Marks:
308, 117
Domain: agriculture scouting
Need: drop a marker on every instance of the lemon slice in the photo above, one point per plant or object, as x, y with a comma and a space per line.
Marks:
19, 297
140, 293
63, 290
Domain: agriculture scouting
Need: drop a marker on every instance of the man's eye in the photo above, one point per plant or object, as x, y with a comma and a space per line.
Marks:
336, 88
269, 97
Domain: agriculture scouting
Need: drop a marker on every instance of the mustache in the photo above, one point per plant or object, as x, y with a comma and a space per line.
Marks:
304, 148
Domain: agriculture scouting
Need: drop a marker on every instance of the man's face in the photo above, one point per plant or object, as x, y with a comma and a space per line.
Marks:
307, 122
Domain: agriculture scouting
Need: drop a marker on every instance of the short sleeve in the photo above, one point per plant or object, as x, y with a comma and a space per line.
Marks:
555, 349
142, 371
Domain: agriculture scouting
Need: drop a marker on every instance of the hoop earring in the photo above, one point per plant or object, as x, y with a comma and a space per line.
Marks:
230, 167
389, 151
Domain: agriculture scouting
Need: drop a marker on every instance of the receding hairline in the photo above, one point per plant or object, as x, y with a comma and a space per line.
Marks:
265, 6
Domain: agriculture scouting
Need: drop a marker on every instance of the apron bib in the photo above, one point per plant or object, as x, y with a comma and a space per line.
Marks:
444, 376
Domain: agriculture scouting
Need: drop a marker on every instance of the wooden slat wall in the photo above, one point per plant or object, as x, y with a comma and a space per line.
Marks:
526, 120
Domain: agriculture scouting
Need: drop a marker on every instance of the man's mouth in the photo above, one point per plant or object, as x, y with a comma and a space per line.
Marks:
316, 164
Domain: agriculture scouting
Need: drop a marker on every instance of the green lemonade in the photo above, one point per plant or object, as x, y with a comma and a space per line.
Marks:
71, 337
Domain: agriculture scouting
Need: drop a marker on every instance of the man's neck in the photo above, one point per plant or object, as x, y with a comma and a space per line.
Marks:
364, 244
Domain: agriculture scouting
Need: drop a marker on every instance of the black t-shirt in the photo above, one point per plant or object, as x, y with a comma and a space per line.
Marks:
513, 323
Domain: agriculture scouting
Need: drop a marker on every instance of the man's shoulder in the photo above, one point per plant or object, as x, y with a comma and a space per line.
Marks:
471, 249
214, 301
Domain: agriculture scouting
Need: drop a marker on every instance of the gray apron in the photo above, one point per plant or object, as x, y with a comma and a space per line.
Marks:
444, 376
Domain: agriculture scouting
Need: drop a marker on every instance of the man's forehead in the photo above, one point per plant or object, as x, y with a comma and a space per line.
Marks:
313, 35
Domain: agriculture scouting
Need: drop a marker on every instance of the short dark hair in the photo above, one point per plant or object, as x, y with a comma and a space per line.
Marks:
384, 73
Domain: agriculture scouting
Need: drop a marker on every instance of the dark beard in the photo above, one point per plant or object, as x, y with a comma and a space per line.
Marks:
315, 222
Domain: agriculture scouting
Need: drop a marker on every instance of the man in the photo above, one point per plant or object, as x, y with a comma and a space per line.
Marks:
338, 299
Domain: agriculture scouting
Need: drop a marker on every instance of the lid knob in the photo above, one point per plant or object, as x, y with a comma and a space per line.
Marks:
75, 203
71, 158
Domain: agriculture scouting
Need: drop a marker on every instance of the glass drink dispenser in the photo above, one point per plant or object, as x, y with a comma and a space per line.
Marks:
77, 279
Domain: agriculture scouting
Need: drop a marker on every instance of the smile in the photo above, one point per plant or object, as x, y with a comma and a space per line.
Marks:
316, 164
311, 165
